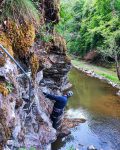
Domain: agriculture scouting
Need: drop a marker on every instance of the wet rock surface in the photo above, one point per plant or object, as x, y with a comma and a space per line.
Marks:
67, 124
70, 123
91, 147
118, 93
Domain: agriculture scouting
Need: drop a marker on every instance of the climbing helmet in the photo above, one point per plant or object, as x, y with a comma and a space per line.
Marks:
69, 93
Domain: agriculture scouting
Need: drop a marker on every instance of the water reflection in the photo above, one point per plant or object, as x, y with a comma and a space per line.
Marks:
94, 95
96, 101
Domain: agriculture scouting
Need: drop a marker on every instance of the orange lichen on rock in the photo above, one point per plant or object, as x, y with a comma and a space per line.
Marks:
34, 64
22, 37
25, 39
3, 89
12, 31
4, 41
2, 61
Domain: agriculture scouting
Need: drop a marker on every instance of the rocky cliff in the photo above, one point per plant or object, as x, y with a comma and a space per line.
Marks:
42, 54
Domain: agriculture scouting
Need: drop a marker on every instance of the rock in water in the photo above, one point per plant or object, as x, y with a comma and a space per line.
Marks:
91, 147
118, 93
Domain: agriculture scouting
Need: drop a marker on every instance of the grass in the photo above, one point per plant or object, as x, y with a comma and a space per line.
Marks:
105, 72
20, 9
110, 77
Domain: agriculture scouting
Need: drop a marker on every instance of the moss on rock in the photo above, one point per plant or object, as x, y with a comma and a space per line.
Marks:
58, 44
3, 89
34, 63
22, 37
4, 41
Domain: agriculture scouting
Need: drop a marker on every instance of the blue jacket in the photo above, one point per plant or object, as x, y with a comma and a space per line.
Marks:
60, 101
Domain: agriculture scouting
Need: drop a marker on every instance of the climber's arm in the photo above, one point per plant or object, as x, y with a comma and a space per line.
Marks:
53, 97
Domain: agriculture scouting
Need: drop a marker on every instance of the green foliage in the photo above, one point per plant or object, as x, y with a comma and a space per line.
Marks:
44, 33
20, 10
71, 148
10, 87
89, 25
46, 37
110, 77
111, 47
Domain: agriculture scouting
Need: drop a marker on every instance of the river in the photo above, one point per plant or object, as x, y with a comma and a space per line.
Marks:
96, 101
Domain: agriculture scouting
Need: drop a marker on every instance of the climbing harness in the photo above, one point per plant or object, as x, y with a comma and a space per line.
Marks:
30, 83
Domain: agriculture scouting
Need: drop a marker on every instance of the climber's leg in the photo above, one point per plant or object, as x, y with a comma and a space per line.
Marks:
56, 121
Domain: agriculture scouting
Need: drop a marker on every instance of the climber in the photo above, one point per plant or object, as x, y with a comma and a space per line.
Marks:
58, 108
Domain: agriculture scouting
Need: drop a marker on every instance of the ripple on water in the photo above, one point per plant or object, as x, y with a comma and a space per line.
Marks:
95, 101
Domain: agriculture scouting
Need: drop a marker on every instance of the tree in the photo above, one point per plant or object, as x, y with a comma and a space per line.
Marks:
113, 51
91, 25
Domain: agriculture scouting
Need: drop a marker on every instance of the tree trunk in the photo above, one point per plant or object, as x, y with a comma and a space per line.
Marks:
118, 72
117, 66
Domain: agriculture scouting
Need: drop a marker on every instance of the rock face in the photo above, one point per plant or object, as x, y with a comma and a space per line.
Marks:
20, 127
91, 147
91, 56
55, 77
52, 8
25, 123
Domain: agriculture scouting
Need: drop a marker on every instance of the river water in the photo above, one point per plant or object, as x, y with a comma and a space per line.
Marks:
95, 101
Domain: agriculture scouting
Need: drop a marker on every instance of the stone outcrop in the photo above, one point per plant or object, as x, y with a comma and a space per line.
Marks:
55, 77
92, 56
20, 126
25, 123
52, 8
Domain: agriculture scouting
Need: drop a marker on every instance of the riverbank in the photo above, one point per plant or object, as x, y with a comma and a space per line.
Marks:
101, 73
